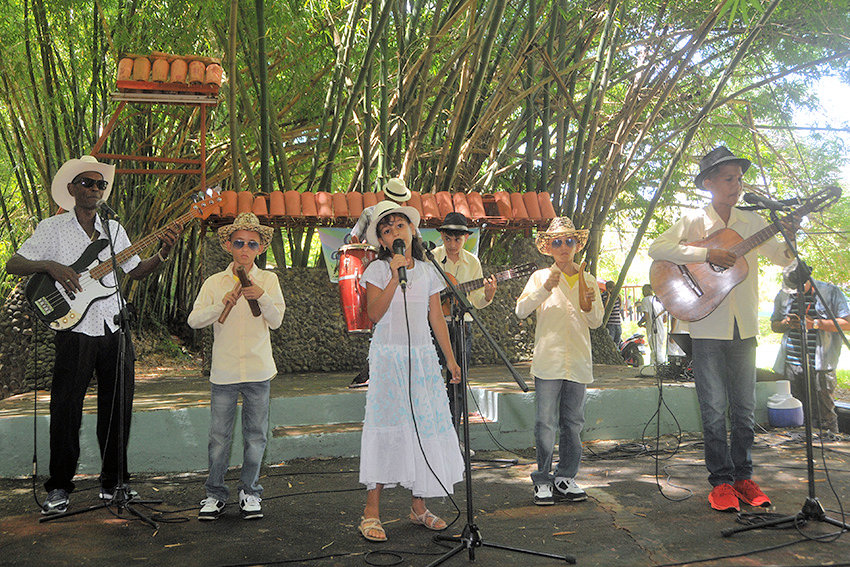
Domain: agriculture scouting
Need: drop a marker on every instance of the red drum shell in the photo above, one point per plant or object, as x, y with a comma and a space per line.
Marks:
353, 259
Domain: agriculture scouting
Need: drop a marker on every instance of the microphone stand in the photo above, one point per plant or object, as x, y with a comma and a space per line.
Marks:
470, 538
121, 495
812, 510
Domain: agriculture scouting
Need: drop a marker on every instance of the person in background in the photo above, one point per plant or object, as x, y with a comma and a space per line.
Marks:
614, 325
654, 319
823, 341
724, 342
464, 266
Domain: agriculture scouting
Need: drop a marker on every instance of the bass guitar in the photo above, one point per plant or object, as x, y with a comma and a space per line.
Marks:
690, 292
466, 287
63, 311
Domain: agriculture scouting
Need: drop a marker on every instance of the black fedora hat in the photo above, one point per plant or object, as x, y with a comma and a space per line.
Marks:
455, 222
718, 156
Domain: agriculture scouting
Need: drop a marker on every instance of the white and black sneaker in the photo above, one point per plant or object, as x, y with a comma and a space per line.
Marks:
56, 503
211, 509
567, 489
250, 506
108, 494
543, 495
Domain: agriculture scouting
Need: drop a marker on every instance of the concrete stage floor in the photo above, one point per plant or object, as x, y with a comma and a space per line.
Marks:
312, 507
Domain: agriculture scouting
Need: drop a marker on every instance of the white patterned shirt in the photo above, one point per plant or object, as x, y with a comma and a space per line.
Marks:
62, 239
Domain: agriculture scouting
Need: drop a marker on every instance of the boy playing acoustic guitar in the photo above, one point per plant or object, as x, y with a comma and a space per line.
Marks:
724, 341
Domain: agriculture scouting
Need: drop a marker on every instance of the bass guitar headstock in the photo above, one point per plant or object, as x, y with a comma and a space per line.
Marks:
204, 201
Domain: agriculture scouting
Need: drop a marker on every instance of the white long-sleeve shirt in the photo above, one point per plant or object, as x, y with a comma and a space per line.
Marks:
242, 348
562, 337
741, 303
467, 268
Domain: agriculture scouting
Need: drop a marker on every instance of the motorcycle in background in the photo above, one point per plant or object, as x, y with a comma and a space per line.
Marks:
633, 350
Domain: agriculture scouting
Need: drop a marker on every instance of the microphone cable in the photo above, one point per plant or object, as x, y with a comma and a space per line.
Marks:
413, 412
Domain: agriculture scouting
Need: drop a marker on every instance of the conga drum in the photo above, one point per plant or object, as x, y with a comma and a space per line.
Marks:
353, 259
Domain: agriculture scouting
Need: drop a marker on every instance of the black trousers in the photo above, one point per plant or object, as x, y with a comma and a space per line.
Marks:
78, 358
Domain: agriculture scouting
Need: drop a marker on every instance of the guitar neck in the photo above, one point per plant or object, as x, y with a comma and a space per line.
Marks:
105, 267
472, 285
749, 243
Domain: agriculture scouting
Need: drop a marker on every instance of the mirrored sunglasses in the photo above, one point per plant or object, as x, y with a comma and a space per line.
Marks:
88, 182
252, 244
569, 242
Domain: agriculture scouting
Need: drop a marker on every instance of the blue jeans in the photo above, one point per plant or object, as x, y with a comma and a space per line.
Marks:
616, 332
255, 423
560, 409
725, 377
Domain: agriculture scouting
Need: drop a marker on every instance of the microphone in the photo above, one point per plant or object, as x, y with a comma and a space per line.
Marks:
398, 248
770, 204
106, 209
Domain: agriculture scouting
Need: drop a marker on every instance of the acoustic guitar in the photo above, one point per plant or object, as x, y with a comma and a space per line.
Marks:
516, 272
690, 292
63, 311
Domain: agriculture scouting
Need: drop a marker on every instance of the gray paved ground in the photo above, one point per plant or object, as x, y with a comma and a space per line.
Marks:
312, 508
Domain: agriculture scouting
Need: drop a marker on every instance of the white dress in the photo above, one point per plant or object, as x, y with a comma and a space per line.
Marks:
390, 452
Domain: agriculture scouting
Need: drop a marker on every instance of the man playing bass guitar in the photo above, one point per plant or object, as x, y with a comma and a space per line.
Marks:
724, 340
91, 346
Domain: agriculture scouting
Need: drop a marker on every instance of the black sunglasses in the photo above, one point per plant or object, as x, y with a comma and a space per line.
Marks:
252, 244
569, 242
88, 182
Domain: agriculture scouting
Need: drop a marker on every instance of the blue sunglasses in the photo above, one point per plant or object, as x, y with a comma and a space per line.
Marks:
252, 244
568, 242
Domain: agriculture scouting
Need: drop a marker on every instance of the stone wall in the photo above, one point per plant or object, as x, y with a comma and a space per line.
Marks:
313, 336
20, 355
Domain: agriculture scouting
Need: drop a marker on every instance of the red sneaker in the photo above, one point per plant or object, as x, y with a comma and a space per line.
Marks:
749, 492
724, 498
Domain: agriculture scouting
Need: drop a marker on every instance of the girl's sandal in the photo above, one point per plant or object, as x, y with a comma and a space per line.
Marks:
428, 520
369, 527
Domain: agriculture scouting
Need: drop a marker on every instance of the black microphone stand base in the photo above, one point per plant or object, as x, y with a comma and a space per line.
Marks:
812, 511
120, 500
471, 539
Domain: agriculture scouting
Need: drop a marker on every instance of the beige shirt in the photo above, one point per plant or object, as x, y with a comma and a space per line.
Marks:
242, 349
562, 337
467, 268
741, 304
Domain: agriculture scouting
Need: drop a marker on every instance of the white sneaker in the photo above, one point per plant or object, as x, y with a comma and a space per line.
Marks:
211, 508
250, 506
567, 489
109, 493
543, 495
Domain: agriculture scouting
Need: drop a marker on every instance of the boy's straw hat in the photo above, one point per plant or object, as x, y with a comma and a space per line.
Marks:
560, 227
245, 221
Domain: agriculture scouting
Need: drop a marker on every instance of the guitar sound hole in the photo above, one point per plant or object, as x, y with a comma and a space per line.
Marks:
716, 268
